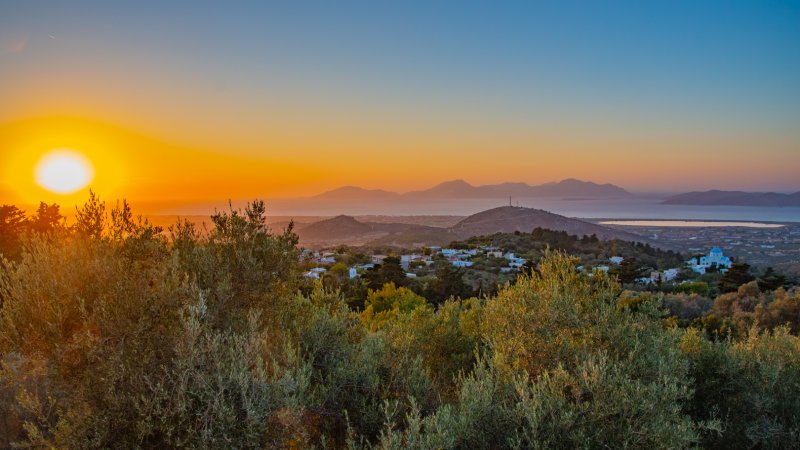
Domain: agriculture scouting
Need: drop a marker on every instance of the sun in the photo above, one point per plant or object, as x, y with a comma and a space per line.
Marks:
64, 171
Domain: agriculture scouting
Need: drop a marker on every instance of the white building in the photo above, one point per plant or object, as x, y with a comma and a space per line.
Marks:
616, 260
714, 258
670, 274
656, 277
663, 276
315, 273
517, 263
461, 263
514, 261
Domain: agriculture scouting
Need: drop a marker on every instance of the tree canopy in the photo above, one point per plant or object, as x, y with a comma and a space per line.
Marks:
117, 334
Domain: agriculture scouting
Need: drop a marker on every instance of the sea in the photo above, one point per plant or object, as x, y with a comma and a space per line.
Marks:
636, 208
631, 208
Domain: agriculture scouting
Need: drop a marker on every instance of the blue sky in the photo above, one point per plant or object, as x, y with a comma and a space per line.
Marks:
696, 72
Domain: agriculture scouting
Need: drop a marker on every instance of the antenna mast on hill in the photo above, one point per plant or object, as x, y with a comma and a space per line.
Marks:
509, 201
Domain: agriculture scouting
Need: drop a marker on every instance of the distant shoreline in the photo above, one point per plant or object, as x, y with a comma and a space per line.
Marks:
690, 223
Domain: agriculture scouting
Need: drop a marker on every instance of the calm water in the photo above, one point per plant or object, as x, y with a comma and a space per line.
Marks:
637, 208
595, 209
690, 224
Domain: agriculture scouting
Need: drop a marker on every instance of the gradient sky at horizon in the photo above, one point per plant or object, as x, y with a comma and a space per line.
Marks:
653, 96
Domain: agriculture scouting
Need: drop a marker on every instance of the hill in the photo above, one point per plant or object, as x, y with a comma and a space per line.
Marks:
734, 198
577, 188
415, 238
336, 228
456, 189
448, 189
508, 219
349, 193
565, 188
348, 230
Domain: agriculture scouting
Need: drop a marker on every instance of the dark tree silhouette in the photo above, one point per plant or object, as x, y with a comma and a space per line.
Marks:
90, 220
12, 225
392, 272
629, 270
737, 275
772, 280
449, 283
47, 219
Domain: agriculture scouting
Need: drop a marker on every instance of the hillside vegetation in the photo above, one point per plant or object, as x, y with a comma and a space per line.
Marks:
115, 334
505, 219
589, 249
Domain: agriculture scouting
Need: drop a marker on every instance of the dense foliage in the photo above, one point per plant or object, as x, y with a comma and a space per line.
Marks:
589, 249
116, 334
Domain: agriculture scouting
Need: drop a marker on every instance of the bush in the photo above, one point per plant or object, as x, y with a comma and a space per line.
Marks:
386, 304
113, 336
564, 368
752, 387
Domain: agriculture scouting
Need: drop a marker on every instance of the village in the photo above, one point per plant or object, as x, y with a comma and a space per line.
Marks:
777, 247
504, 262
412, 261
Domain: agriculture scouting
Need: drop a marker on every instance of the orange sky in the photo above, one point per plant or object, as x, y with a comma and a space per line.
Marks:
183, 102
142, 168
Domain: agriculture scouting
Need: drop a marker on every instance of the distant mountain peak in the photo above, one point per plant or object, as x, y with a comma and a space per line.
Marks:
577, 182
456, 182
716, 197
459, 188
573, 187
343, 218
355, 193
449, 189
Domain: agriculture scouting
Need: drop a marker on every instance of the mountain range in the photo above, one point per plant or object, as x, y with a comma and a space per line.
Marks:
456, 189
734, 198
506, 219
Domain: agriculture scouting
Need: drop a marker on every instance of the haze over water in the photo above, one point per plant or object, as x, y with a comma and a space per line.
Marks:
689, 223
636, 208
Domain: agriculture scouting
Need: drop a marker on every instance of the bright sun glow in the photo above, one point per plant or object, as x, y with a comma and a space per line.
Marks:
64, 171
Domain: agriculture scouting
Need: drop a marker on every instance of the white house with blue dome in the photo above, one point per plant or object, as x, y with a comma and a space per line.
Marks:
714, 258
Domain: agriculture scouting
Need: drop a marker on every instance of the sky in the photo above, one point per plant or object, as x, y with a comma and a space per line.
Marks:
197, 100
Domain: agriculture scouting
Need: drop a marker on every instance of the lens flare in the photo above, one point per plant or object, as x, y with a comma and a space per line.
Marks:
64, 171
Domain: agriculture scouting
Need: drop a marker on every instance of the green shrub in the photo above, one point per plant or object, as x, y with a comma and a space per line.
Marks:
751, 386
